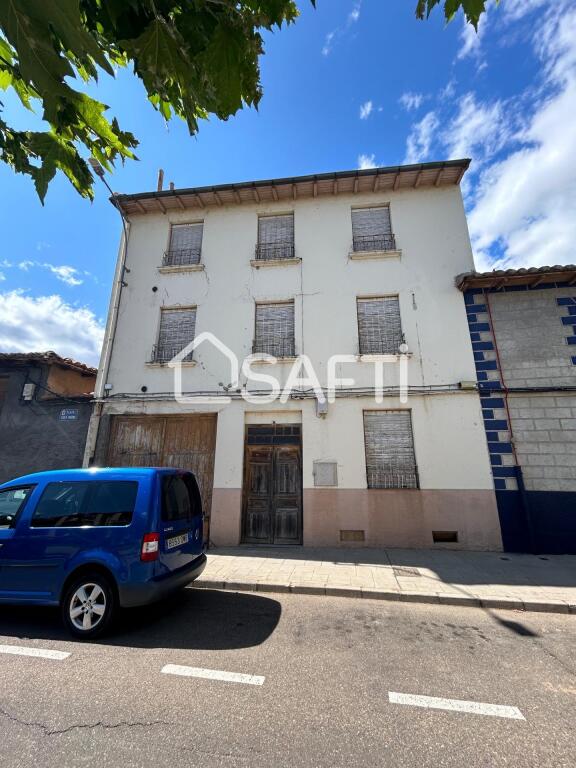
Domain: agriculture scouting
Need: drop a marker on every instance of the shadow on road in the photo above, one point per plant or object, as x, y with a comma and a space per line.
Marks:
200, 619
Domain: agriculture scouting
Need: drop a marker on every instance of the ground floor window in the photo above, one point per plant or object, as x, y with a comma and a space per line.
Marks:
389, 446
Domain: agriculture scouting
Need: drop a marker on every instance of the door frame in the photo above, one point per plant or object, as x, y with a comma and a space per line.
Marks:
243, 514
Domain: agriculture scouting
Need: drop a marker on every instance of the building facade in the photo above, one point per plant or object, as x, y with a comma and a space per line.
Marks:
45, 407
522, 326
359, 264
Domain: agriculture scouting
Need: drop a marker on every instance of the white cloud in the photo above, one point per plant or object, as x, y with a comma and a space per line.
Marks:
366, 161
478, 129
38, 324
351, 19
354, 14
63, 272
420, 139
470, 39
411, 100
2, 276
365, 110
327, 48
524, 210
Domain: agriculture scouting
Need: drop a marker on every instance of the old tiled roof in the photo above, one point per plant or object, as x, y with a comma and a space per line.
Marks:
50, 358
383, 179
531, 277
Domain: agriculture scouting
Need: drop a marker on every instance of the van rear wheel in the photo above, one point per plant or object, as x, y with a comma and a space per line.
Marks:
89, 605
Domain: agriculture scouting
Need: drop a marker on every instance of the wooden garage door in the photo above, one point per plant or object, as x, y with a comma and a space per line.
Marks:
186, 442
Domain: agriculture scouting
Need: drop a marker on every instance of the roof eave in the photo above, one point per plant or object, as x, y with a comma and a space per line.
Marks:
444, 173
530, 277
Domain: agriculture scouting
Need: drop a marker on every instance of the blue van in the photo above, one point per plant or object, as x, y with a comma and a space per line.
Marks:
93, 540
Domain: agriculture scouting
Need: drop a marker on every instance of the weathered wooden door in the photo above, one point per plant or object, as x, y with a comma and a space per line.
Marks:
272, 492
187, 442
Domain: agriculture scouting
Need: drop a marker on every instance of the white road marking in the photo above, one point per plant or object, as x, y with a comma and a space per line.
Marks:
212, 674
456, 705
42, 653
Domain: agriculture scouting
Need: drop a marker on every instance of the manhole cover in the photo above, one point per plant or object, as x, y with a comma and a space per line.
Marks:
405, 570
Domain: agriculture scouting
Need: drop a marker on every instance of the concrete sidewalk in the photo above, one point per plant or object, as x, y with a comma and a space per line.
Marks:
480, 579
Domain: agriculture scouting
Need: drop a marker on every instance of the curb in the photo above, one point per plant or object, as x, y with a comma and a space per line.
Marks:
423, 598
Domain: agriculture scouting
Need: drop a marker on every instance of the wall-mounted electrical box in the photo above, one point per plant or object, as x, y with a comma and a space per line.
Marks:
325, 473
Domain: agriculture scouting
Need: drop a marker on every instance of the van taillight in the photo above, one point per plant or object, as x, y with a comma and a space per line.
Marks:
150, 546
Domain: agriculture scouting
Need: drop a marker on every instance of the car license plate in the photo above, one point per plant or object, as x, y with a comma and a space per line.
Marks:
177, 541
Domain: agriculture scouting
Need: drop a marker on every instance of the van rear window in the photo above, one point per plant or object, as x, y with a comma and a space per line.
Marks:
180, 498
93, 503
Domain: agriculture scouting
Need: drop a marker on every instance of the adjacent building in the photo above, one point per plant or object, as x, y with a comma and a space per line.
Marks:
359, 264
45, 407
523, 330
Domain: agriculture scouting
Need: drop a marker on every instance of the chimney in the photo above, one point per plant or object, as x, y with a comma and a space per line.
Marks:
160, 180
171, 186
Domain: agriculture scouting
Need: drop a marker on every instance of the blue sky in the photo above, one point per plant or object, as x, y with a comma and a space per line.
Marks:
352, 84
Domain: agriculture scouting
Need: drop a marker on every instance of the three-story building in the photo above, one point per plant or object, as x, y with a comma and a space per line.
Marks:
358, 264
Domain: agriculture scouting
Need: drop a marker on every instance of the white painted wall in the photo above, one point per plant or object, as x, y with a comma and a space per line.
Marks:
431, 231
449, 440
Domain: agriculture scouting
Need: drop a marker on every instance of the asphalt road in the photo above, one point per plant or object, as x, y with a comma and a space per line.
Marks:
322, 671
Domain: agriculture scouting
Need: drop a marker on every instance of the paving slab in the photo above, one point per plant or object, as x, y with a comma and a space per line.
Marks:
492, 580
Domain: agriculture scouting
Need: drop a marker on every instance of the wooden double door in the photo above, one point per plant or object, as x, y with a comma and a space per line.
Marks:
272, 489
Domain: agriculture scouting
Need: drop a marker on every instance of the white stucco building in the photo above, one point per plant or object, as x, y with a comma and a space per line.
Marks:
358, 263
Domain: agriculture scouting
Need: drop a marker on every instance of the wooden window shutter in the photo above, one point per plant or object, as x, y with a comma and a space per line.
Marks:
185, 244
389, 444
177, 330
275, 329
372, 229
379, 325
275, 237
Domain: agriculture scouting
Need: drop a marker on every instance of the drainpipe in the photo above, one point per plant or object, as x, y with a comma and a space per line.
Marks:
109, 336
518, 474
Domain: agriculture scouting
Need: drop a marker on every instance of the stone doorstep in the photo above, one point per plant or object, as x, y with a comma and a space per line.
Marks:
424, 598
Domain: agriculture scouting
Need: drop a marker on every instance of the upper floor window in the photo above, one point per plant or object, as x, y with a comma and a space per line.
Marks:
372, 229
185, 246
275, 237
274, 329
177, 330
389, 446
379, 326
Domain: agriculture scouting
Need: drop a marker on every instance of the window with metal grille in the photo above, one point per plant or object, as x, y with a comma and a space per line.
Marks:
275, 237
185, 245
379, 326
274, 331
372, 229
177, 330
389, 445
